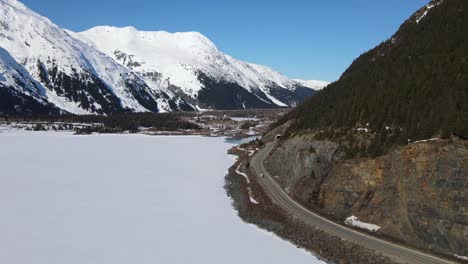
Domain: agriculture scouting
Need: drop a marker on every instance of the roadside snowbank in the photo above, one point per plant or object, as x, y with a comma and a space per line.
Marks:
354, 221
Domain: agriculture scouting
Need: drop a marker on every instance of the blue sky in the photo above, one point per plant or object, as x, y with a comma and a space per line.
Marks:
306, 39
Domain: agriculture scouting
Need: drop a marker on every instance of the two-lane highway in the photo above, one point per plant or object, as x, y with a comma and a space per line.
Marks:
396, 252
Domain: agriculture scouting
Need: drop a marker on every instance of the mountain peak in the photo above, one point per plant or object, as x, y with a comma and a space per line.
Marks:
127, 34
14, 3
178, 56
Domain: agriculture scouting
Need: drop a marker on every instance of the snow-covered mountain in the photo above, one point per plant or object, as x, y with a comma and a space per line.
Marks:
19, 92
77, 78
190, 65
106, 70
316, 85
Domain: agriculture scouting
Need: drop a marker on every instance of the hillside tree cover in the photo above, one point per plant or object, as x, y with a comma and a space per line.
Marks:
415, 82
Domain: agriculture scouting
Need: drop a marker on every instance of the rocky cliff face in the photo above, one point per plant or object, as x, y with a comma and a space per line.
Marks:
416, 193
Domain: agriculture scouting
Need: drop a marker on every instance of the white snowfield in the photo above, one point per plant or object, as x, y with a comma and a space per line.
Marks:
354, 221
119, 199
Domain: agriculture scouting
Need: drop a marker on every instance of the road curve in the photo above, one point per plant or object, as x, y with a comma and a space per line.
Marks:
396, 252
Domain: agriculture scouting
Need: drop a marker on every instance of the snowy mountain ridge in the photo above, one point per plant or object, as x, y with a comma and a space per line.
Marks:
79, 79
107, 69
316, 85
169, 52
178, 56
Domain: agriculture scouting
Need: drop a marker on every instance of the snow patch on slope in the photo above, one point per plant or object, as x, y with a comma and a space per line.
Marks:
425, 10
424, 13
354, 221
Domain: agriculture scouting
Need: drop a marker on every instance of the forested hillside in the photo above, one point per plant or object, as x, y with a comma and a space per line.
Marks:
412, 86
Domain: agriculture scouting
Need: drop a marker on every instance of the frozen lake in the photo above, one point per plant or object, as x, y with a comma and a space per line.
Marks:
113, 199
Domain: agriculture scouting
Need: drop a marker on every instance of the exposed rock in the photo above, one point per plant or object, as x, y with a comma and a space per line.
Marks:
416, 193
301, 157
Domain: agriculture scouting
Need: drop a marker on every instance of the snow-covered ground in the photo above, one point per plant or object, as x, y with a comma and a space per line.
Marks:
124, 199
247, 179
241, 119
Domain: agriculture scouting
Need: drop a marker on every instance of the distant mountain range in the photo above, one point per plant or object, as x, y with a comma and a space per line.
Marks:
316, 85
105, 70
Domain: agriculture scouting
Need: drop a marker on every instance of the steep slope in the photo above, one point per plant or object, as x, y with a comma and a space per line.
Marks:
386, 143
77, 78
19, 92
416, 82
190, 65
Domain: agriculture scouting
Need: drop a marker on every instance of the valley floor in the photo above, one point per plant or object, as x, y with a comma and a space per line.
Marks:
216, 123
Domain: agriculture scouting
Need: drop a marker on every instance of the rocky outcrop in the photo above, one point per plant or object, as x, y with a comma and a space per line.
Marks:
417, 194
302, 157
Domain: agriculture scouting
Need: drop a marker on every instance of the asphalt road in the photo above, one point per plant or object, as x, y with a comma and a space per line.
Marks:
396, 252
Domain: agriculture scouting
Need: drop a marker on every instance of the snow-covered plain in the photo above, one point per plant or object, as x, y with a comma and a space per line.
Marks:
124, 199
